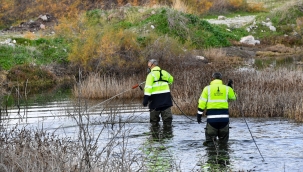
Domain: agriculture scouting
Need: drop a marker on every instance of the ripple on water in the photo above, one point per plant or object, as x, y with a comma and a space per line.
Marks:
279, 141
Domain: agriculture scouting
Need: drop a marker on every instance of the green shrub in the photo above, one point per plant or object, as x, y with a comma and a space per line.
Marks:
94, 16
189, 27
11, 56
31, 75
286, 15
40, 51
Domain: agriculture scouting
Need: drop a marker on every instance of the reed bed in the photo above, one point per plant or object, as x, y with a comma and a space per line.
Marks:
266, 93
102, 87
271, 92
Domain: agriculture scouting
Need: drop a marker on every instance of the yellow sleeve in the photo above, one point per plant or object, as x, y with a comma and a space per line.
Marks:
203, 99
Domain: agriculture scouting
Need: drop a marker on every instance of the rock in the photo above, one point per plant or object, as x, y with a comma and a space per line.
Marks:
200, 57
42, 22
268, 24
233, 22
42, 26
221, 17
8, 42
250, 40
272, 28
43, 17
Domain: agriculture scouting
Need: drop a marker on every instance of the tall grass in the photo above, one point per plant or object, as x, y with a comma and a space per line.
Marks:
269, 93
266, 93
261, 93
97, 86
30, 150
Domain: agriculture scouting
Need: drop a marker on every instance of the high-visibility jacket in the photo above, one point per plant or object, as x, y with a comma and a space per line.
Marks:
157, 90
214, 98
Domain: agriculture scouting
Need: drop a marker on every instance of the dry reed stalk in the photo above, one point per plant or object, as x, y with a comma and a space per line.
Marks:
98, 87
26, 150
267, 93
215, 54
37, 150
264, 93
180, 6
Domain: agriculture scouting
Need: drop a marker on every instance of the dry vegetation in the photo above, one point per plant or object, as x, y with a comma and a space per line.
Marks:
264, 93
112, 62
19, 10
269, 4
269, 92
96, 87
27, 150
102, 148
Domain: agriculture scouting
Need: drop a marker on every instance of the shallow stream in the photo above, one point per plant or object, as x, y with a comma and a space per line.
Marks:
277, 143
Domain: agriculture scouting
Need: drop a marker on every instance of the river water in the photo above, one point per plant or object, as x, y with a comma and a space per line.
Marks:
277, 143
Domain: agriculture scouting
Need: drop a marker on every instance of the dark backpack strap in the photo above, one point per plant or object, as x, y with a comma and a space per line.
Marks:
160, 79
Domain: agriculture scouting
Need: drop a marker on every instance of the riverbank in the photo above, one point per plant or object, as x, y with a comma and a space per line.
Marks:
108, 54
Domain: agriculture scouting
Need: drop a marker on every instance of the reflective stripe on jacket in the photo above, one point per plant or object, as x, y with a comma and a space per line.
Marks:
214, 98
157, 88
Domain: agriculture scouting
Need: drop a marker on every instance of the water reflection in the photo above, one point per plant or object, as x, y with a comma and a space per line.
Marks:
217, 157
160, 133
180, 147
158, 156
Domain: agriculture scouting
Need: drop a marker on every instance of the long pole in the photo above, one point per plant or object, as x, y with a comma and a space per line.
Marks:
133, 87
242, 114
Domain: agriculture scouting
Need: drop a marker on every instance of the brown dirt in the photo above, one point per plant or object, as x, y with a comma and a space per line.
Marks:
40, 23
245, 51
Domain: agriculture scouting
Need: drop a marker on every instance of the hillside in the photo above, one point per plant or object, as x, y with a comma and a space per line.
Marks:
118, 41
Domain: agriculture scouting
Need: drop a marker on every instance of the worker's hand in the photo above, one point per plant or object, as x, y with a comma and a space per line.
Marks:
230, 82
145, 101
199, 116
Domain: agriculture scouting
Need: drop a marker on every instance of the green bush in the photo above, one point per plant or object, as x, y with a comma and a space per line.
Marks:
40, 51
189, 27
94, 16
11, 56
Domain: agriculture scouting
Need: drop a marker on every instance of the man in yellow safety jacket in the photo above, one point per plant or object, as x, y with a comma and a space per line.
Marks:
157, 94
214, 100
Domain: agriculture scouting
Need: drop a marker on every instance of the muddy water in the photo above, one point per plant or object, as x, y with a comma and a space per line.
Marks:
180, 147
